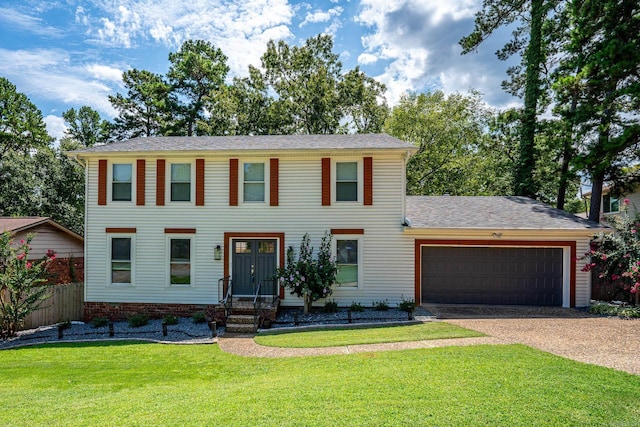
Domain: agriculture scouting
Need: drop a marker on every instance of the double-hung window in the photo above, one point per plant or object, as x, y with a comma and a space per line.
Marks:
610, 204
122, 177
121, 260
180, 260
348, 261
253, 185
347, 181
181, 182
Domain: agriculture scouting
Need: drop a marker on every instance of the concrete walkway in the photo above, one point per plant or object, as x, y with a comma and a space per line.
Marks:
609, 342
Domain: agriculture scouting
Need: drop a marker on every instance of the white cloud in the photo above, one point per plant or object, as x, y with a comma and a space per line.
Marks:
105, 72
321, 16
240, 28
55, 126
28, 23
367, 58
71, 84
419, 42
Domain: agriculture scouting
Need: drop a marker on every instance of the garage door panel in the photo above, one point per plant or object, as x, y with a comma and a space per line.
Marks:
492, 275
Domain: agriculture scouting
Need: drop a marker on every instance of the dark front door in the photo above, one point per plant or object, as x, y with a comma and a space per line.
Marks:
254, 260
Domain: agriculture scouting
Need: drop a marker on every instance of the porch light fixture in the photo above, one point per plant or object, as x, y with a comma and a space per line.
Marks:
217, 253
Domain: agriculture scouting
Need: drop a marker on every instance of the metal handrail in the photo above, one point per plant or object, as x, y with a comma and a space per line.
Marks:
227, 301
257, 305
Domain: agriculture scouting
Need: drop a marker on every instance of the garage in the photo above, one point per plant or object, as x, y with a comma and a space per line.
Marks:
492, 275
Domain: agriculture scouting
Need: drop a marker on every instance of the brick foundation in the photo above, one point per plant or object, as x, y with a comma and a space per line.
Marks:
120, 311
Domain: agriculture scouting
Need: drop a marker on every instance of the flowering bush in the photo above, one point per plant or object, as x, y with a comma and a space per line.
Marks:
23, 283
308, 277
615, 257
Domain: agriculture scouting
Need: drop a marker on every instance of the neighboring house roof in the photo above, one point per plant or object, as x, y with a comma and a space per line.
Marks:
252, 143
18, 224
490, 212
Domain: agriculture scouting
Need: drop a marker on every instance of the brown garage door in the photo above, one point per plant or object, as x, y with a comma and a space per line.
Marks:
492, 275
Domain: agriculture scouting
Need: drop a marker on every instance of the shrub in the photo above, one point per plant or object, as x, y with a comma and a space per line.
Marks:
407, 305
629, 312
381, 305
199, 317
356, 306
23, 283
170, 319
331, 307
615, 257
603, 308
99, 322
137, 320
309, 277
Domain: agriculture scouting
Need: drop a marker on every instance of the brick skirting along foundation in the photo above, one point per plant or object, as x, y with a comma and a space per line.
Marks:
120, 311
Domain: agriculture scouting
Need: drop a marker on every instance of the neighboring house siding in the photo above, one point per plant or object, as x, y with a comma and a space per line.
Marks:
387, 254
583, 279
48, 237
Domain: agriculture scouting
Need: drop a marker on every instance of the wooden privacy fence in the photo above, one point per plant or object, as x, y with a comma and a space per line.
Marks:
66, 303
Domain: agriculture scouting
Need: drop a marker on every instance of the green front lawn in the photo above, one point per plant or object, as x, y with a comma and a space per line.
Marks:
111, 384
335, 337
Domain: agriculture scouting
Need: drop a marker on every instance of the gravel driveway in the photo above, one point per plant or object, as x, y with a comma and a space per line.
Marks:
610, 342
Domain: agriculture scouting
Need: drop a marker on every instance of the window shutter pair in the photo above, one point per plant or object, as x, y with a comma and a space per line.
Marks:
274, 182
367, 182
140, 181
161, 165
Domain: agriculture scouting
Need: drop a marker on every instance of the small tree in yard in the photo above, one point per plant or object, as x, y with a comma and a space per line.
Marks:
616, 256
23, 283
307, 277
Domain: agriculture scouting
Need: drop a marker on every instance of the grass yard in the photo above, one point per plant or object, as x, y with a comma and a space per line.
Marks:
124, 383
369, 335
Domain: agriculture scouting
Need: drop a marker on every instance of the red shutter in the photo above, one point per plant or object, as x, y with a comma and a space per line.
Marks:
160, 182
140, 181
368, 181
274, 184
233, 182
199, 182
102, 182
326, 181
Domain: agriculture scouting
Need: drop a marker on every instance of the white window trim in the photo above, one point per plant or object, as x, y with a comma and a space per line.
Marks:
267, 183
110, 181
334, 250
111, 236
334, 169
192, 187
167, 281
610, 211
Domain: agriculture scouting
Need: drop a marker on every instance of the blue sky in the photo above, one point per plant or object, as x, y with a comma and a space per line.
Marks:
69, 53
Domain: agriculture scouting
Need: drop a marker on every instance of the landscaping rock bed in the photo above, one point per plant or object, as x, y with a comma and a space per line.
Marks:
291, 317
185, 332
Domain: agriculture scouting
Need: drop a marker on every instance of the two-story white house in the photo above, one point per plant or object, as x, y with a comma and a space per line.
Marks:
168, 217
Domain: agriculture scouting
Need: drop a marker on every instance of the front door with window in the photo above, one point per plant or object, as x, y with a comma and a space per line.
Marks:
254, 260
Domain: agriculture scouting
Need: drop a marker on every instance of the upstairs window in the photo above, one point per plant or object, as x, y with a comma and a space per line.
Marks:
347, 181
122, 177
253, 188
610, 204
180, 182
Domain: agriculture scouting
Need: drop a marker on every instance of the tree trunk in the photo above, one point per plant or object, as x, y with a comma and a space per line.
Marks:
523, 174
597, 181
566, 158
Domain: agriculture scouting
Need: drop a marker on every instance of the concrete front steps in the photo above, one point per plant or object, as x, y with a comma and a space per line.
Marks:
241, 318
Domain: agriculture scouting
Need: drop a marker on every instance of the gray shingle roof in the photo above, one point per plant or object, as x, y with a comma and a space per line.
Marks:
490, 212
258, 142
